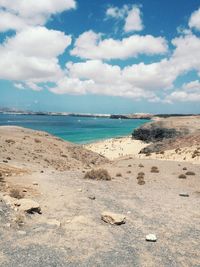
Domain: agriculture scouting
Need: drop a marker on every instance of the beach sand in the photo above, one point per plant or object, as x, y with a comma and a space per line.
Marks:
117, 147
126, 146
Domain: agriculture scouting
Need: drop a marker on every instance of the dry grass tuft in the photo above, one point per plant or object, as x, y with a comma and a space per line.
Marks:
100, 174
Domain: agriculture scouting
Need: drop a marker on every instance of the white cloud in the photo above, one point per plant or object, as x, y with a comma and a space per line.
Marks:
117, 13
16, 15
133, 21
131, 15
31, 55
194, 21
91, 45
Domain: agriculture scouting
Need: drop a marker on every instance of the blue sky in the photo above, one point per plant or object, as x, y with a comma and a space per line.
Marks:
100, 56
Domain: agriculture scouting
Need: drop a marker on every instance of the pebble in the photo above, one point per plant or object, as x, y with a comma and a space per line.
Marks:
21, 232
151, 238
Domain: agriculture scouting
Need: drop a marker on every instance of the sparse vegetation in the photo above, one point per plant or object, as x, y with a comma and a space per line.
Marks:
182, 176
16, 193
184, 168
141, 166
141, 181
118, 174
190, 173
128, 171
100, 174
154, 169
129, 165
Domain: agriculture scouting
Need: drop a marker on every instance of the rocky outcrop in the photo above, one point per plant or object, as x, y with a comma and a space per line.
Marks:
154, 133
162, 129
169, 133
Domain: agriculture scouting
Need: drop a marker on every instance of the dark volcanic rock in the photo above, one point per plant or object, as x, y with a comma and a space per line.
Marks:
154, 134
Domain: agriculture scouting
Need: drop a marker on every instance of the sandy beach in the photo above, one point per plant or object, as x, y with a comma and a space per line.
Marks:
117, 147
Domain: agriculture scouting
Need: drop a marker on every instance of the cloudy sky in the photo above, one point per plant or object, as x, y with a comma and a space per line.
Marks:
100, 56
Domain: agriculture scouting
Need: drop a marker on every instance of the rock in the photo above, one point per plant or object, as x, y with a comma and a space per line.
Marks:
80, 190
92, 197
35, 183
113, 218
151, 238
184, 195
28, 205
21, 232
54, 222
24, 190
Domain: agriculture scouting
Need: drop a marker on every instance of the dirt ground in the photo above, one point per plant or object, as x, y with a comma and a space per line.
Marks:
70, 232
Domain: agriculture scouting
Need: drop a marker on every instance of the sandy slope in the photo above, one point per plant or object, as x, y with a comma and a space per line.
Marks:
70, 232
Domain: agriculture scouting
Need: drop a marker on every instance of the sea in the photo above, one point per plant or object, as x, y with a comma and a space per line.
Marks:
80, 130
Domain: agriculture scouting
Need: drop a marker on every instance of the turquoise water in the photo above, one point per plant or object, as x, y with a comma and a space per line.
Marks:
74, 129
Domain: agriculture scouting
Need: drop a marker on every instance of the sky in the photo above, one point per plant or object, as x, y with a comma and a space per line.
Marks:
100, 56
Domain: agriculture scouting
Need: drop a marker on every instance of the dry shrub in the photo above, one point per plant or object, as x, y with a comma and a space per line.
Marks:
129, 165
100, 174
16, 193
141, 174
190, 173
118, 174
128, 171
184, 168
141, 181
182, 176
141, 166
154, 169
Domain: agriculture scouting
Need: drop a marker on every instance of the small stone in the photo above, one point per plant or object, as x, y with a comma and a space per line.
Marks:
28, 205
80, 190
92, 197
21, 232
54, 222
151, 238
184, 195
113, 218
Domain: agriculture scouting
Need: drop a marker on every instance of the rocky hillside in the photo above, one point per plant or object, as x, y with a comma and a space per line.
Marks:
25, 146
168, 128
